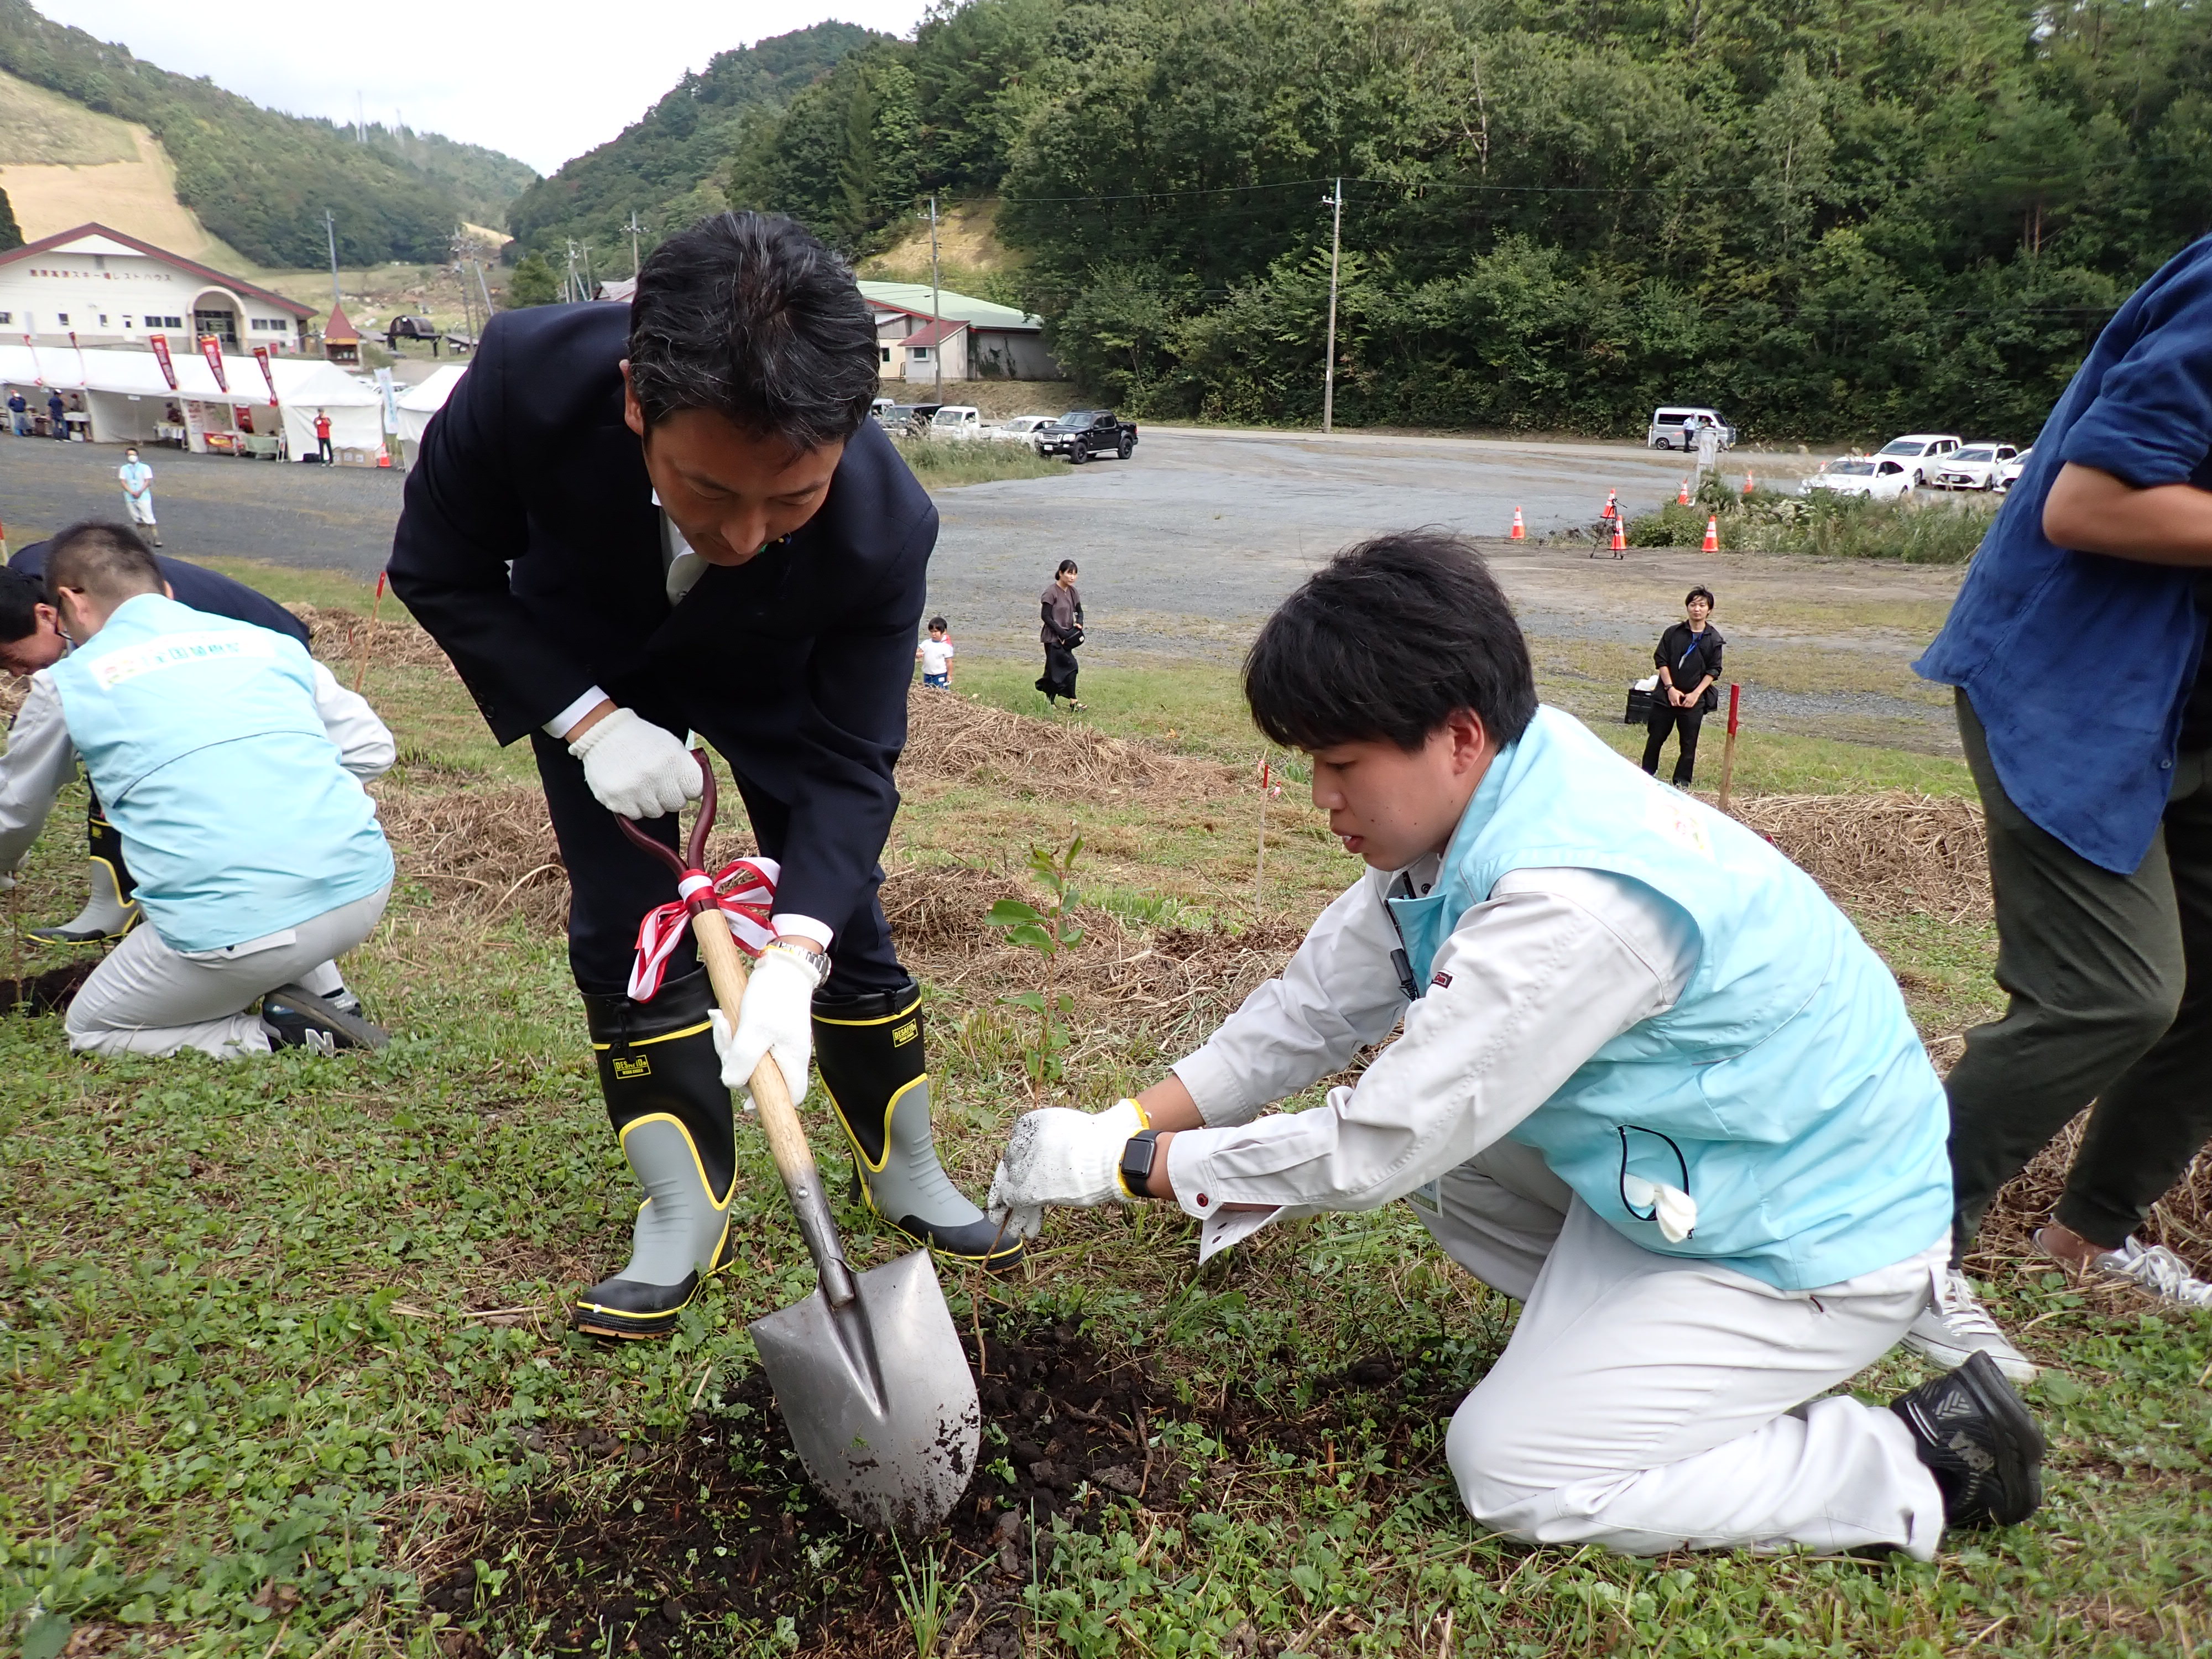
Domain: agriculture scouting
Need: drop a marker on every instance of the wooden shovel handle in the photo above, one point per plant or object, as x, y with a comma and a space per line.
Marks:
779, 1117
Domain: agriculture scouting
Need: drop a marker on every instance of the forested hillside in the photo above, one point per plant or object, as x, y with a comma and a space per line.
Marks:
261, 180
1824, 216
673, 166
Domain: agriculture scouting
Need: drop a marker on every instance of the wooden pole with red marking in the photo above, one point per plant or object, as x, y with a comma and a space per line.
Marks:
368, 634
1727, 754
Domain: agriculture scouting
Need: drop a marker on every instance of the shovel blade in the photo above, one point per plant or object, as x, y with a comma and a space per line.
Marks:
879, 1396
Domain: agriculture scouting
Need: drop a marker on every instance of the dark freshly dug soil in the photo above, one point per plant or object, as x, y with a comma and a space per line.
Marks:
46, 993
717, 1518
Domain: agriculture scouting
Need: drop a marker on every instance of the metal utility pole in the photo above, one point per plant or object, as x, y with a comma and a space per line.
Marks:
1335, 254
936, 306
635, 228
483, 288
331, 230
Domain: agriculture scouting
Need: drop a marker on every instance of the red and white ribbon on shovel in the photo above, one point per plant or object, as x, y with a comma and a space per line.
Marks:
743, 890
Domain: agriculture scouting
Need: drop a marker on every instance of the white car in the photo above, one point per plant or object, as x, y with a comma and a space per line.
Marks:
1974, 467
1022, 428
1877, 478
2008, 471
1921, 450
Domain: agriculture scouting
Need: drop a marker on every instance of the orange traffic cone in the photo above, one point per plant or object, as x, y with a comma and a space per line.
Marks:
1712, 534
1612, 505
1520, 530
1620, 541
1682, 494
383, 456
1750, 484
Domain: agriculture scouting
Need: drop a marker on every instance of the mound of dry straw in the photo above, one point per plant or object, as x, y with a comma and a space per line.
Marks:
339, 636
1886, 854
953, 737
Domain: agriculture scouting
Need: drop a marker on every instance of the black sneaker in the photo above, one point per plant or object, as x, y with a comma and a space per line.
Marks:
1975, 1436
298, 1018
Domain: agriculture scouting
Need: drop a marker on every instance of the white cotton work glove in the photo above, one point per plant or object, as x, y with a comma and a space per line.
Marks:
1058, 1155
777, 1018
635, 768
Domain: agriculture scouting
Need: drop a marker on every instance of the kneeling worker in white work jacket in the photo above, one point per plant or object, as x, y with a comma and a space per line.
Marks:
1651, 1083
231, 764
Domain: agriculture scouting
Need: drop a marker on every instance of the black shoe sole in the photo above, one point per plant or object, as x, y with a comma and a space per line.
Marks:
71, 936
2020, 1443
996, 1254
356, 1030
627, 1325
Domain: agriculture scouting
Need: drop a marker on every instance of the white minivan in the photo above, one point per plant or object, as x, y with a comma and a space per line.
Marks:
1677, 427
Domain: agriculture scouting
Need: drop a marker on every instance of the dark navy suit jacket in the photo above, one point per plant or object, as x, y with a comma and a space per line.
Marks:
530, 549
202, 590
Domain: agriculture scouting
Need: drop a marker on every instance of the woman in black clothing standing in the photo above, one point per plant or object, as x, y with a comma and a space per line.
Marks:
1062, 608
1689, 662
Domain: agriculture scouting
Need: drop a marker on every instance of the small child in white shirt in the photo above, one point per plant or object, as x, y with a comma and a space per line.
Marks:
935, 655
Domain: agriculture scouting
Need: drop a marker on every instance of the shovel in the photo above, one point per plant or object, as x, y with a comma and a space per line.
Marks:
874, 1388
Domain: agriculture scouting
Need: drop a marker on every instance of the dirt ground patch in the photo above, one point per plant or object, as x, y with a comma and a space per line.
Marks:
613, 1570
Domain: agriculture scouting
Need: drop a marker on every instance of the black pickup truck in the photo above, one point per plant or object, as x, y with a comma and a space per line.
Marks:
1082, 433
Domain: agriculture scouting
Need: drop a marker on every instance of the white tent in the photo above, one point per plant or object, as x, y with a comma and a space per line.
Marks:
419, 403
128, 400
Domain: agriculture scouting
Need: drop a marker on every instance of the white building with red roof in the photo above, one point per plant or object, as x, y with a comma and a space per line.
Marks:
110, 289
978, 339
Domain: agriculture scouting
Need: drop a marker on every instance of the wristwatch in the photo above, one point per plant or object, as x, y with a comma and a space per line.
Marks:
1137, 1159
815, 963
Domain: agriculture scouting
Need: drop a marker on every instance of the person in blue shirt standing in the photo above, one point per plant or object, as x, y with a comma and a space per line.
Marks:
19, 413
2099, 800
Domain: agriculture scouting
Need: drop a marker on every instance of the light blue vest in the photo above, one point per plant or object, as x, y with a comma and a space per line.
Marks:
201, 736
1786, 1091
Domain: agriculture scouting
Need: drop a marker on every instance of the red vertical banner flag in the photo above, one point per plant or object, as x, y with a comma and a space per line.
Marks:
160, 345
261, 356
211, 348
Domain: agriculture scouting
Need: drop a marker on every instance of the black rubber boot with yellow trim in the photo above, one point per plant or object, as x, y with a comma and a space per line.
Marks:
112, 908
663, 1083
870, 1050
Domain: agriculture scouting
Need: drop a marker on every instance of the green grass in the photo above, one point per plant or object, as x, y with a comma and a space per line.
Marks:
947, 462
283, 1340
1928, 529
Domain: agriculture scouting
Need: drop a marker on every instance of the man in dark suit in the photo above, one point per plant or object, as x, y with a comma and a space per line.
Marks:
30, 639
632, 522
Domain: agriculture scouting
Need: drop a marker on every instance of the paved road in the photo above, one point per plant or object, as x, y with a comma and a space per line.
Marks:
1183, 548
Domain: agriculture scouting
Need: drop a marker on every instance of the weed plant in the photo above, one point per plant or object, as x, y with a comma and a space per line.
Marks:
943, 463
1914, 530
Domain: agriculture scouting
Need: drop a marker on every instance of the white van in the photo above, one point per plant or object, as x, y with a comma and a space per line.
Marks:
1674, 428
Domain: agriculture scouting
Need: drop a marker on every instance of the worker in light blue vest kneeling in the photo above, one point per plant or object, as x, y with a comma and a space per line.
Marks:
231, 764
1651, 1082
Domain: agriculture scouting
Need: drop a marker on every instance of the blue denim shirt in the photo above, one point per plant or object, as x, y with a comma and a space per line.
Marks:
2091, 762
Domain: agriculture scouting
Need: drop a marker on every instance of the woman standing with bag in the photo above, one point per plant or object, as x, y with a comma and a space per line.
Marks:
1689, 663
1062, 608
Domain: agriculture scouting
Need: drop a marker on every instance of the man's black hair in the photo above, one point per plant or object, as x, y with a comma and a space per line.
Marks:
747, 315
1701, 592
103, 561
1067, 567
940, 624
20, 596
1389, 640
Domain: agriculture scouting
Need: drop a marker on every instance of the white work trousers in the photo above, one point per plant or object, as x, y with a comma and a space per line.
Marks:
1651, 1403
141, 507
146, 999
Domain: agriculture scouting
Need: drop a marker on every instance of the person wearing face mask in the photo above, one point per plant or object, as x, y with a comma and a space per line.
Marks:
633, 522
1651, 1084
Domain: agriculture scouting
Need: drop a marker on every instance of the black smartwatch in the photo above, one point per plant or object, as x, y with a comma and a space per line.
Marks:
1137, 1159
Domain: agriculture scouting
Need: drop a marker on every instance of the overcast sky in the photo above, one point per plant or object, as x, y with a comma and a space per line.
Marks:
542, 81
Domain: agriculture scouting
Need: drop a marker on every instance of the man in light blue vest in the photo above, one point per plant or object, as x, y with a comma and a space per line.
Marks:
1651, 1083
231, 764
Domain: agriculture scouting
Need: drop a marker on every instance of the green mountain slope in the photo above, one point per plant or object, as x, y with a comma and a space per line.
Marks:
260, 180
669, 168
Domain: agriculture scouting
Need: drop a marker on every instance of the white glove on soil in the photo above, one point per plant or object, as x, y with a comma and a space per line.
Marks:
635, 768
1057, 1155
777, 1018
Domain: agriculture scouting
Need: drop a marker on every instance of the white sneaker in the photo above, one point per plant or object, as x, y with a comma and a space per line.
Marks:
1955, 1326
2158, 1270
